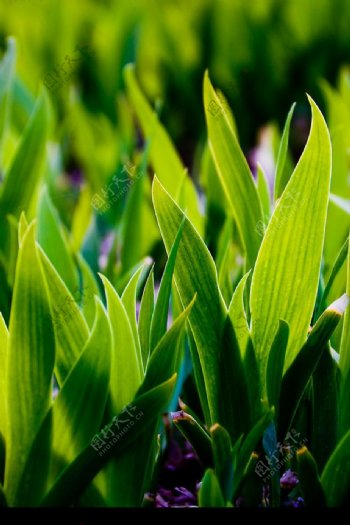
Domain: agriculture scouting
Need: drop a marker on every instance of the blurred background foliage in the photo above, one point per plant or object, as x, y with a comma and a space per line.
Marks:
262, 54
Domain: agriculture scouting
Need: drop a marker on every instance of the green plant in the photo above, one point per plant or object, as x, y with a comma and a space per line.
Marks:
260, 305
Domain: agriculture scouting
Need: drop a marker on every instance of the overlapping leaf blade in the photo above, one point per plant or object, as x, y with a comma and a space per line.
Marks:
234, 173
31, 351
71, 330
79, 407
299, 373
145, 317
51, 239
126, 367
195, 273
344, 363
335, 477
7, 69
160, 316
283, 170
285, 278
84, 468
22, 179
3, 361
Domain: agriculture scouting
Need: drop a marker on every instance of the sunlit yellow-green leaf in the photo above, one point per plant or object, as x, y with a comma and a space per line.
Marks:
71, 329
232, 168
126, 365
31, 350
195, 273
285, 278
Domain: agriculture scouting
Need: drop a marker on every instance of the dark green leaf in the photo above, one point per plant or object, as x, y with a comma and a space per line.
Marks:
145, 317
210, 494
196, 435
31, 351
283, 168
309, 480
335, 477
275, 364
160, 316
304, 365
84, 468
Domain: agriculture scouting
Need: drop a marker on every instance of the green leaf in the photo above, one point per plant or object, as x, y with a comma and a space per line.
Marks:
22, 227
195, 273
248, 446
285, 278
198, 376
299, 373
232, 168
3, 388
210, 494
253, 380
52, 239
344, 364
335, 477
132, 222
339, 262
145, 317
31, 351
82, 218
310, 484
34, 480
162, 151
6, 292
283, 168
264, 192
160, 316
222, 447
344, 361
343, 204
77, 476
275, 364
71, 330
223, 260
189, 201
195, 434
7, 71
164, 360
126, 366
129, 302
22, 179
339, 121
2, 458
235, 413
12, 248
238, 316
324, 408
216, 203
89, 289
79, 407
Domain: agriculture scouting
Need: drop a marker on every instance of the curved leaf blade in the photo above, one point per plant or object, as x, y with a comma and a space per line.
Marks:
31, 351
234, 173
289, 260
195, 273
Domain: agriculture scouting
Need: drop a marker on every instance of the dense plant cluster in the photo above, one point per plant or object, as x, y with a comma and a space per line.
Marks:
133, 285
